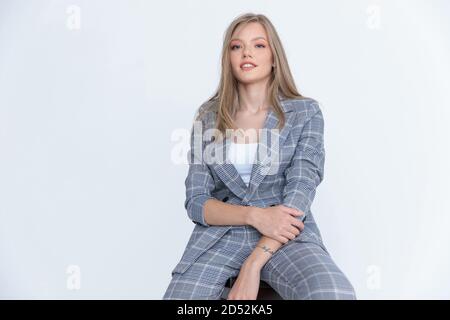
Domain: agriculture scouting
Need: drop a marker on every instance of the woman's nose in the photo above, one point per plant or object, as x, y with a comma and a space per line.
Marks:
246, 52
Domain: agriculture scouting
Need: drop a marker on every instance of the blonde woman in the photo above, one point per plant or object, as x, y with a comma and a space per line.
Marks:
252, 215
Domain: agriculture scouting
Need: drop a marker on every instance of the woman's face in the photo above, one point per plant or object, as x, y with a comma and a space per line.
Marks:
249, 43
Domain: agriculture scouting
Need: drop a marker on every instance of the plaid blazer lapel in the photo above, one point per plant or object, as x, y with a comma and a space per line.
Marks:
266, 164
228, 173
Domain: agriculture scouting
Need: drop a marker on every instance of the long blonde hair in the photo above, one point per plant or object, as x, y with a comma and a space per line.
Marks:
281, 83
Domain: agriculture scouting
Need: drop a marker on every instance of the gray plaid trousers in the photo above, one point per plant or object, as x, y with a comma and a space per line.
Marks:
299, 270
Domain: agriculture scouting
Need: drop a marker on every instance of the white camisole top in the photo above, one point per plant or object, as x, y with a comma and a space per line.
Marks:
242, 156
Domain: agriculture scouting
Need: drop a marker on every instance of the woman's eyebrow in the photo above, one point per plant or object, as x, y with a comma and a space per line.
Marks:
251, 40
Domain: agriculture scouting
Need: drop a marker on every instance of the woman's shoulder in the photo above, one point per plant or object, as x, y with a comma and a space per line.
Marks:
304, 107
207, 109
302, 104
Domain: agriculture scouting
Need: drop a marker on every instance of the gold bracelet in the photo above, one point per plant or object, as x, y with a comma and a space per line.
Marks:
266, 249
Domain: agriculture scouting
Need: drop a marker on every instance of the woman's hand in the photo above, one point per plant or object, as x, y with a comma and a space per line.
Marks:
246, 286
278, 222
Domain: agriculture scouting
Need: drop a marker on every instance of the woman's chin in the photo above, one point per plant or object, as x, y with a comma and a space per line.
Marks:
249, 79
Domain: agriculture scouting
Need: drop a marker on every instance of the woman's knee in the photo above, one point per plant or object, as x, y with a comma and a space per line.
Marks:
325, 287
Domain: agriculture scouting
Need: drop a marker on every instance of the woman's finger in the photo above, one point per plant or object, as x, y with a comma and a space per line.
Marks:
294, 230
294, 212
297, 223
289, 235
283, 239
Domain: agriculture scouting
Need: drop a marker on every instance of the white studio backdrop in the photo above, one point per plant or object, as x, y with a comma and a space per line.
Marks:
96, 100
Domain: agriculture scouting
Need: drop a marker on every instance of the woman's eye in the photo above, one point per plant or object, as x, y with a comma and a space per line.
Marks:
236, 45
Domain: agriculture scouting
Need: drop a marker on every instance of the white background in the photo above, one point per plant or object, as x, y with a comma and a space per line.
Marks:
93, 94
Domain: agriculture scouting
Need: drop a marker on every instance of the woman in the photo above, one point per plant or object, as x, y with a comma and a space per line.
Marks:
252, 214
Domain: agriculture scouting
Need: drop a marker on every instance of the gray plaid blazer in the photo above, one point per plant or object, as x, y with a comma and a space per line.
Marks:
300, 167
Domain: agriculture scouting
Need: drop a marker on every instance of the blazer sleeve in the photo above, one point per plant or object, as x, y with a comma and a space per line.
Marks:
306, 170
199, 181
